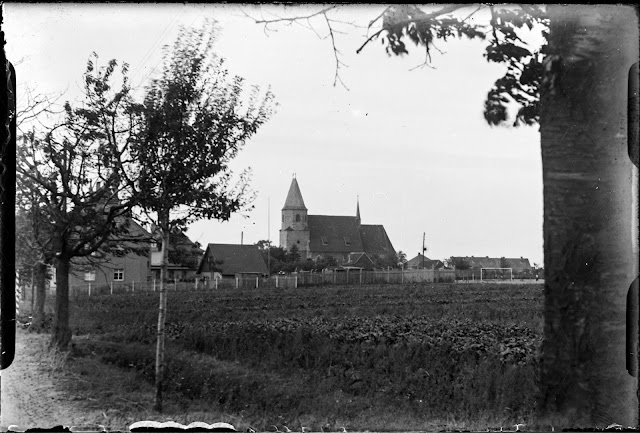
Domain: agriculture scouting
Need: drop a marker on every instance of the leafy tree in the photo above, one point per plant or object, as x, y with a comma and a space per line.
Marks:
460, 263
401, 258
197, 118
293, 255
575, 87
504, 263
78, 178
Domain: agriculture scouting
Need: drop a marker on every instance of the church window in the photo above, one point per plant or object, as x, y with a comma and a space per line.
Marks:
297, 217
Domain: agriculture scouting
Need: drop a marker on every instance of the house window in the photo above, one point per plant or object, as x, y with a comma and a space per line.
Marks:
153, 244
347, 241
118, 275
324, 239
90, 276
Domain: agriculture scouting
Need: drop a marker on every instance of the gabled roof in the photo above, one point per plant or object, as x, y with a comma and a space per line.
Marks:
375, 240
236, 259
361, 260
341, 233
294, 199
493, 262
417, 262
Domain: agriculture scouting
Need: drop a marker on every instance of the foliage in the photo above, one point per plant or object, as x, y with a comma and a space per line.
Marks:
521, 82
75, 180
460, 263
197, 118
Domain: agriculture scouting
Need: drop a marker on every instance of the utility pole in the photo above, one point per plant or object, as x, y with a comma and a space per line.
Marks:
424, 249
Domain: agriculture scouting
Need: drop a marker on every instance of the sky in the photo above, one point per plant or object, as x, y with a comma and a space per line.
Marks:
410, 142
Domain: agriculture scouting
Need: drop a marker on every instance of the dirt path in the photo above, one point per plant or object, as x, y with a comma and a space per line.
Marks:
30, 389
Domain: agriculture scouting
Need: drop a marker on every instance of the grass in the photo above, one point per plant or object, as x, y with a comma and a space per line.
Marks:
321, 357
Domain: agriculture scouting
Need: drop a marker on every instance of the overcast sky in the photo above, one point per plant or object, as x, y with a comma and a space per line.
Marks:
412, 144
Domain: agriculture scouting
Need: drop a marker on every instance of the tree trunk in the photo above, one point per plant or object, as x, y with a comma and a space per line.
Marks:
589, 258
39, 280
162, 313
61, 335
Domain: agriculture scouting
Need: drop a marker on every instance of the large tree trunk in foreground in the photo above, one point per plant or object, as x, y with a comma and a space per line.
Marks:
588, 226
39, 281
61, 335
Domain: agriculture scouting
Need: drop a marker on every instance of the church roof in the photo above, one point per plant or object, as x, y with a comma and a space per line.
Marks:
375, 239
294, 197
334, 234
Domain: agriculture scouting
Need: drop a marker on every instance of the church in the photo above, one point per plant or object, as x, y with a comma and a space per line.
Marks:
321, 236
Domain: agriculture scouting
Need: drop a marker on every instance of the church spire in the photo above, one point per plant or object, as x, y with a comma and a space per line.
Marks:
294, 197
358, 208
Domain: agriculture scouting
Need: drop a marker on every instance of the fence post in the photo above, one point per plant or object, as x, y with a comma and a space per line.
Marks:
154, 284
402, 274
133, 286
256, 282
196, 284
236, 282
296, 283
175, 284
111, 284
360, 275
89, 289
276, 281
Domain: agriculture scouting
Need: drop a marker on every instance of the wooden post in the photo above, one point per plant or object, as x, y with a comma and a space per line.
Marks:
196, 283
360, 275
111, 287
216, 283
89, 289
175, 284
154, 284
237, 282
276, 281
256, 282
296, 283
133, 286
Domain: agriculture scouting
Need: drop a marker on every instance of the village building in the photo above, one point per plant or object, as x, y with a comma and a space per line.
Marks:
184, 257
344, 238
521, 268
127, 262
423, 262
232, 260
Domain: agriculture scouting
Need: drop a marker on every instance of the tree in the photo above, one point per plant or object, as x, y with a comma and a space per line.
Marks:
197, 118
401, 258
293, 255
504, 263
575, 87
79, 174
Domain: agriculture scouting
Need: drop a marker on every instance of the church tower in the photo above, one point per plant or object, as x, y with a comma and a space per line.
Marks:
295, 228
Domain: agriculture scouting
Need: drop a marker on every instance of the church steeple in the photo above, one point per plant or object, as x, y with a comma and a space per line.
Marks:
295, 228
294, 199
358, 209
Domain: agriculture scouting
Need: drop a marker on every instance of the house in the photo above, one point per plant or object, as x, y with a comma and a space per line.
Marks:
423, 262
520, 266
127, 262
320, 236
184, 257
231, 260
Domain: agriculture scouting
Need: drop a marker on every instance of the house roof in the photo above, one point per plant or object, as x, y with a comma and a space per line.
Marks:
428, 263
493, 262
375, 240
360, 260
294, 199
341, 234
236, 259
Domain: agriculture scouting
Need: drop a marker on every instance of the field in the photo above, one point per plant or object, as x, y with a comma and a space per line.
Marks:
384, 357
